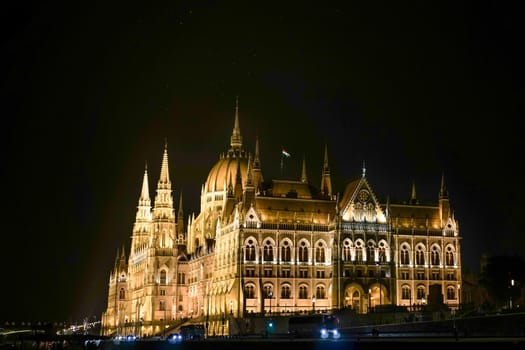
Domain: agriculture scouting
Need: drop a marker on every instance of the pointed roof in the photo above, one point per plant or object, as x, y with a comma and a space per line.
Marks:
443, 192
326, 181
164, 179
236, 138
350, 190
249, 175
256, 158
325, 159
144, 193
304, 178
180, 212
228, 163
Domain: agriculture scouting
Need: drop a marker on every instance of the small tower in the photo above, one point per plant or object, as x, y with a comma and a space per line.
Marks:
326, 181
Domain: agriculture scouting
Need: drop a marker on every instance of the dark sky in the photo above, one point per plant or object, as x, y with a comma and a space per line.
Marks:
90, 90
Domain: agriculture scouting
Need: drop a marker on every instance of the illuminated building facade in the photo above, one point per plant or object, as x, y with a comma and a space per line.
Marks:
278, 247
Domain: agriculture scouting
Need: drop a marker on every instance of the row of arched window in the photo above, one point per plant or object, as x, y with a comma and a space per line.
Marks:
285, 292
435, 256
351, 251
406, 293
286, 252
268, 251
372, 252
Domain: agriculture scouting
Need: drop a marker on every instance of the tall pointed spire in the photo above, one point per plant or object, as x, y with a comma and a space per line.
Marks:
256, 158
249, 175
164, 180
443, 193
413, 197
117, 257
256, 166
144, 206
326, 180
236, 138
249, 188
144, 194
122, 264
180, 212
230, 185
163, 211
238, 181
304, 178
444, 203
180, 218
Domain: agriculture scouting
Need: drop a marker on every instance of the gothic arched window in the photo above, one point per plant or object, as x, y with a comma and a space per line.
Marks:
286, 251
434, 256
320, 253
404, 255
346, 251
359, 251
285, 292
449, 257
420, 256
303, 253
249, 291
371, 251
268, 251
405, 292
451, 293
420, 293
320, 292
250, 251
303, 292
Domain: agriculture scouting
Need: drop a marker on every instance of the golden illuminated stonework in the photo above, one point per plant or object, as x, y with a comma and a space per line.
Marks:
278, 247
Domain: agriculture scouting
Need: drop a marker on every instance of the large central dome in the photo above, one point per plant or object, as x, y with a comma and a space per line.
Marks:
225, 170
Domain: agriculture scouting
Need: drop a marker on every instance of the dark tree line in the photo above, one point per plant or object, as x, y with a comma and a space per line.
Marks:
503, 277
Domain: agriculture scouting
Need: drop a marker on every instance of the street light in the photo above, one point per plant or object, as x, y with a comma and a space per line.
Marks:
313, 303
369, 299
459, 296
379, 282
270, 294
510, 294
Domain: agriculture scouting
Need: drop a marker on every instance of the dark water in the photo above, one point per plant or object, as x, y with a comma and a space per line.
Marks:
346, 344
383, 342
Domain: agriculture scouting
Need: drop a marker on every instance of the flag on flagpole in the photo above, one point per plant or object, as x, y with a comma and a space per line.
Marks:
286, 154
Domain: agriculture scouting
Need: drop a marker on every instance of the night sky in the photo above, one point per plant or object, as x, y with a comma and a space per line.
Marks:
91, 90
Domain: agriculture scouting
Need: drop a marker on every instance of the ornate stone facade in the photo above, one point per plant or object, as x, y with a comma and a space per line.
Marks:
279, 246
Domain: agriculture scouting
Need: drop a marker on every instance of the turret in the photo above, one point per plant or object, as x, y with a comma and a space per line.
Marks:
163, 211
256, 167
180, 220
444, 203
304, 178
326, 181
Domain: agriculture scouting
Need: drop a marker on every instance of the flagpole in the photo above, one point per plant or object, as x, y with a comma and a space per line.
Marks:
284, 154
282, 161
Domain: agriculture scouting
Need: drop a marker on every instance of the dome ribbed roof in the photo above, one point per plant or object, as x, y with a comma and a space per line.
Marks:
225, 170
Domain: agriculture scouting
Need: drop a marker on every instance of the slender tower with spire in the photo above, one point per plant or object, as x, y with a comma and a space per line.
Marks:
304, 177
236, 138
326, 180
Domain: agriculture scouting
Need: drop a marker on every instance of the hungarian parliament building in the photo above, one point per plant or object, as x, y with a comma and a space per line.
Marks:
279, 246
